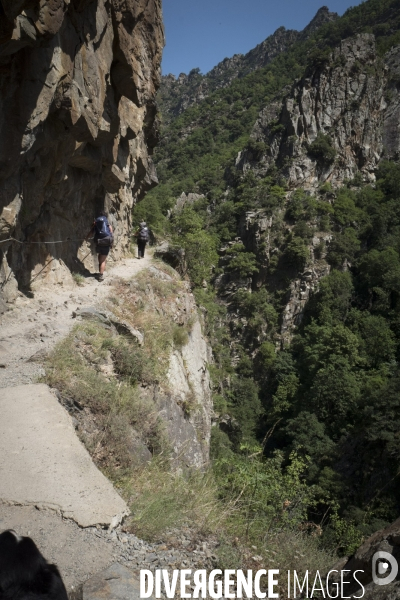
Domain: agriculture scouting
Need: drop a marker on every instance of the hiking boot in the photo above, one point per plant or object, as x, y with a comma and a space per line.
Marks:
100, 277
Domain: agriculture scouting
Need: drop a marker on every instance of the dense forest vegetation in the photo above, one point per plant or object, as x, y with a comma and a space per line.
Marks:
314, 434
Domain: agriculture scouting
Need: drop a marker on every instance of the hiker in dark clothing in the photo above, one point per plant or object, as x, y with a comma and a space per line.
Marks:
143, 237
103, 238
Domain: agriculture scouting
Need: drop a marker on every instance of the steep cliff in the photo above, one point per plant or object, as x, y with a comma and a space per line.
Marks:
291, 241
344, 100
333, 126
130, 363
183, 397
77, 101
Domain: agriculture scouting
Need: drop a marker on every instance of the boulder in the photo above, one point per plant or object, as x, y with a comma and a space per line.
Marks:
386, 540
115, 583
172, 255
108, 318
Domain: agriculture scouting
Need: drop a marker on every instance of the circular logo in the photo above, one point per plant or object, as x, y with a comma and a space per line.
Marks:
382, 563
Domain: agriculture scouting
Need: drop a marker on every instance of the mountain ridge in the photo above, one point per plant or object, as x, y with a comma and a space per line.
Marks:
177, 94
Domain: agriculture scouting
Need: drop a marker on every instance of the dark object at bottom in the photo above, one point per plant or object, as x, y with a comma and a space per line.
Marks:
24, 573
141, 245
103, 250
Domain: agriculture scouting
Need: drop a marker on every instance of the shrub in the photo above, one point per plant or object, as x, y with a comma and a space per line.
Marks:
201, 255
296, 253
269, 497
303, 230
74, 368
244, 263
345, 246
128, 361
266, 357
180, 336
78, 278
161, 500
318, 58
326, 188
325, 223
321, 149
245, 405
301, 206
275, 127
256, 148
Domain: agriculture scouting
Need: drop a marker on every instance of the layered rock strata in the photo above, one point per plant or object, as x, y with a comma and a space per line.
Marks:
343, 100
78, 124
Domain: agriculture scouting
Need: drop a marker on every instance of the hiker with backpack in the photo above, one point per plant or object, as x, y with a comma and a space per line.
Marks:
103, 238
143, 236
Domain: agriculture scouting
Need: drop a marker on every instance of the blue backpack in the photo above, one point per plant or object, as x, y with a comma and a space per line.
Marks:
102, 228
102, 232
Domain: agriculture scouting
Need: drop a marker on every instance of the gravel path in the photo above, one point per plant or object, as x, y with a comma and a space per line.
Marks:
27, 332
36, 324
80, 553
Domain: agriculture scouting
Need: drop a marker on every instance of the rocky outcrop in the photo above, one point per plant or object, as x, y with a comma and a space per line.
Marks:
77, 88
333, 125
184, 399
177, 94
189, 418
115, 583
257, 232
391, 124
344, 101
386, 540
300, 292
187, 200
172, 255
105, 316
182, 396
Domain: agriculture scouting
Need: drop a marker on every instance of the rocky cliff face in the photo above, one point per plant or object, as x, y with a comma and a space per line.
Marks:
177, 94
345, 100
188, 412
391, 129
184, 398
77, 85
386, 540
351, 103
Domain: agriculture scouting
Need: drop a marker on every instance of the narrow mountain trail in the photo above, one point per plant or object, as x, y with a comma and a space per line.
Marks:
36, 324
50, 488
44, 469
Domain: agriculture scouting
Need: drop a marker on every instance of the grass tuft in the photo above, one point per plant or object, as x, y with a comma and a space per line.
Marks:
79, 367
78, 278
162, 500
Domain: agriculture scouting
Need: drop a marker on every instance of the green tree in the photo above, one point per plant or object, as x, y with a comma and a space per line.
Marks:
242, 262
200, 255
322, 150
246, 406
296, 253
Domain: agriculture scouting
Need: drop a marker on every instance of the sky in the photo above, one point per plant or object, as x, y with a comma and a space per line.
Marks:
201, 33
